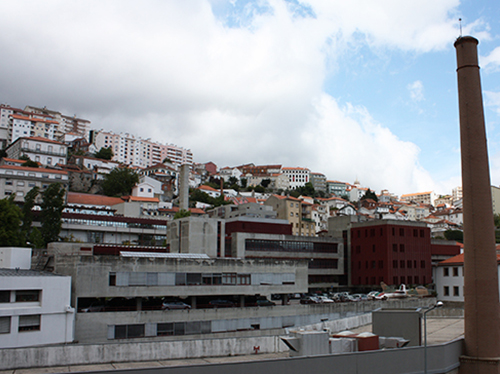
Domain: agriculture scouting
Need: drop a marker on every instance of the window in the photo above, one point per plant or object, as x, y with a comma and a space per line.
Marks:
29, 323
26, 296
49, 160
112, 279
129, 331
401, 248
446, 272
4, 296
5, 325
455, 272
456, 291
446, 291
8, 182
394, 247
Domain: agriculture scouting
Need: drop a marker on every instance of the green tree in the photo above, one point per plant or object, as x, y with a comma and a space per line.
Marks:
182, 213
10, 223
456, 235
243, 182
29, 203
496, 220
265, 183
370, 195
104, 154
35, 238
30, 164
3, 153
119, 182
51, 214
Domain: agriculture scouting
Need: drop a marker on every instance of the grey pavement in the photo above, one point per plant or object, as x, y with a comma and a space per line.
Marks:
439, 330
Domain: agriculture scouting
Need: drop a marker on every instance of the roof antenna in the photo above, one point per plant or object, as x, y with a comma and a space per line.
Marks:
460, 21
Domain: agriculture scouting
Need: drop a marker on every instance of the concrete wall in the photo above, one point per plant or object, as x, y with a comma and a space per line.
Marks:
443, 358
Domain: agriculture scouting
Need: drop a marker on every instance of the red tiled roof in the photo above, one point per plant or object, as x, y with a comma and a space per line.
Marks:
89, 199
25, 168
138, 198
207, 188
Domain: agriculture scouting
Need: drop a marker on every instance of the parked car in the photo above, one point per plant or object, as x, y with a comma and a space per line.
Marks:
324, 299
169, 305
219, 303
309, 300
265, 302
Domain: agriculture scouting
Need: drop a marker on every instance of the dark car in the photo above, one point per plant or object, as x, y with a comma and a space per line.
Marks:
265, 302
309, 300
219, 303
169, 305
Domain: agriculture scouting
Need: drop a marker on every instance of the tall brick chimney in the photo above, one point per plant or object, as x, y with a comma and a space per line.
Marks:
482, 308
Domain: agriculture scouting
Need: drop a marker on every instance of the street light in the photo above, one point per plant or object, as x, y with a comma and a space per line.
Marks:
439, 304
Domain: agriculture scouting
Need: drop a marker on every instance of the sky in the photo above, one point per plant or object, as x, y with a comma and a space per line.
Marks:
357, 90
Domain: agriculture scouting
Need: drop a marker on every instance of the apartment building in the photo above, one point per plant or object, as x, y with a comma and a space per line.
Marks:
44, 151
63, 123
300, 214
131, 150
336, 188
297, 176
19, 180
420, 197
318, 181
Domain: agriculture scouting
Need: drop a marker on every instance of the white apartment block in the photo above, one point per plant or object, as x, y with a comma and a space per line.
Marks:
131, 150
40, 122
297, 177
46, 152
64, 123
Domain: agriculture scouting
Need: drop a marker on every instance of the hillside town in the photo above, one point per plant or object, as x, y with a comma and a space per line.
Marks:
214, 244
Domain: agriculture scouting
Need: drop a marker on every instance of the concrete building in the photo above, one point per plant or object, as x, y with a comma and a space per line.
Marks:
19, 180
244, 209
44, 151
318, 181
35, 306
135, 284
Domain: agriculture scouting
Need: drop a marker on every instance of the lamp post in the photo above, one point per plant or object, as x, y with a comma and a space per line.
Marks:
439, 304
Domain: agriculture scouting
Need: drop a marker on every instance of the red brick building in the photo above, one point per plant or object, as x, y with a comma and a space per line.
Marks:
391, 251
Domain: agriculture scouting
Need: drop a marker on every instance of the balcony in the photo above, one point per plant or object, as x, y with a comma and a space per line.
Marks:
43, 151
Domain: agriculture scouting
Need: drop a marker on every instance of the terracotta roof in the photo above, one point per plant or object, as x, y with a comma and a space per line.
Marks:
90, 199
138, 198
207, 188
287, 198
25, 168
14, 160
40, 139
416, 194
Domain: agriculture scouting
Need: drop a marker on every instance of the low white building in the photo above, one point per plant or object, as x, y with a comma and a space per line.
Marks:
34, 306
449, 278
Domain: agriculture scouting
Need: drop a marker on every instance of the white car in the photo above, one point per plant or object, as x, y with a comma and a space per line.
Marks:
324, 299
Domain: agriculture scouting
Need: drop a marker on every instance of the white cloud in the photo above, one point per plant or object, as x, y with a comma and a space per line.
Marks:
492, 61
493, 100
416, 90
174, 72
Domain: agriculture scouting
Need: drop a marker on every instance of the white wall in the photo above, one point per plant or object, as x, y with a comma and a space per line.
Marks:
15, 257
57, 317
